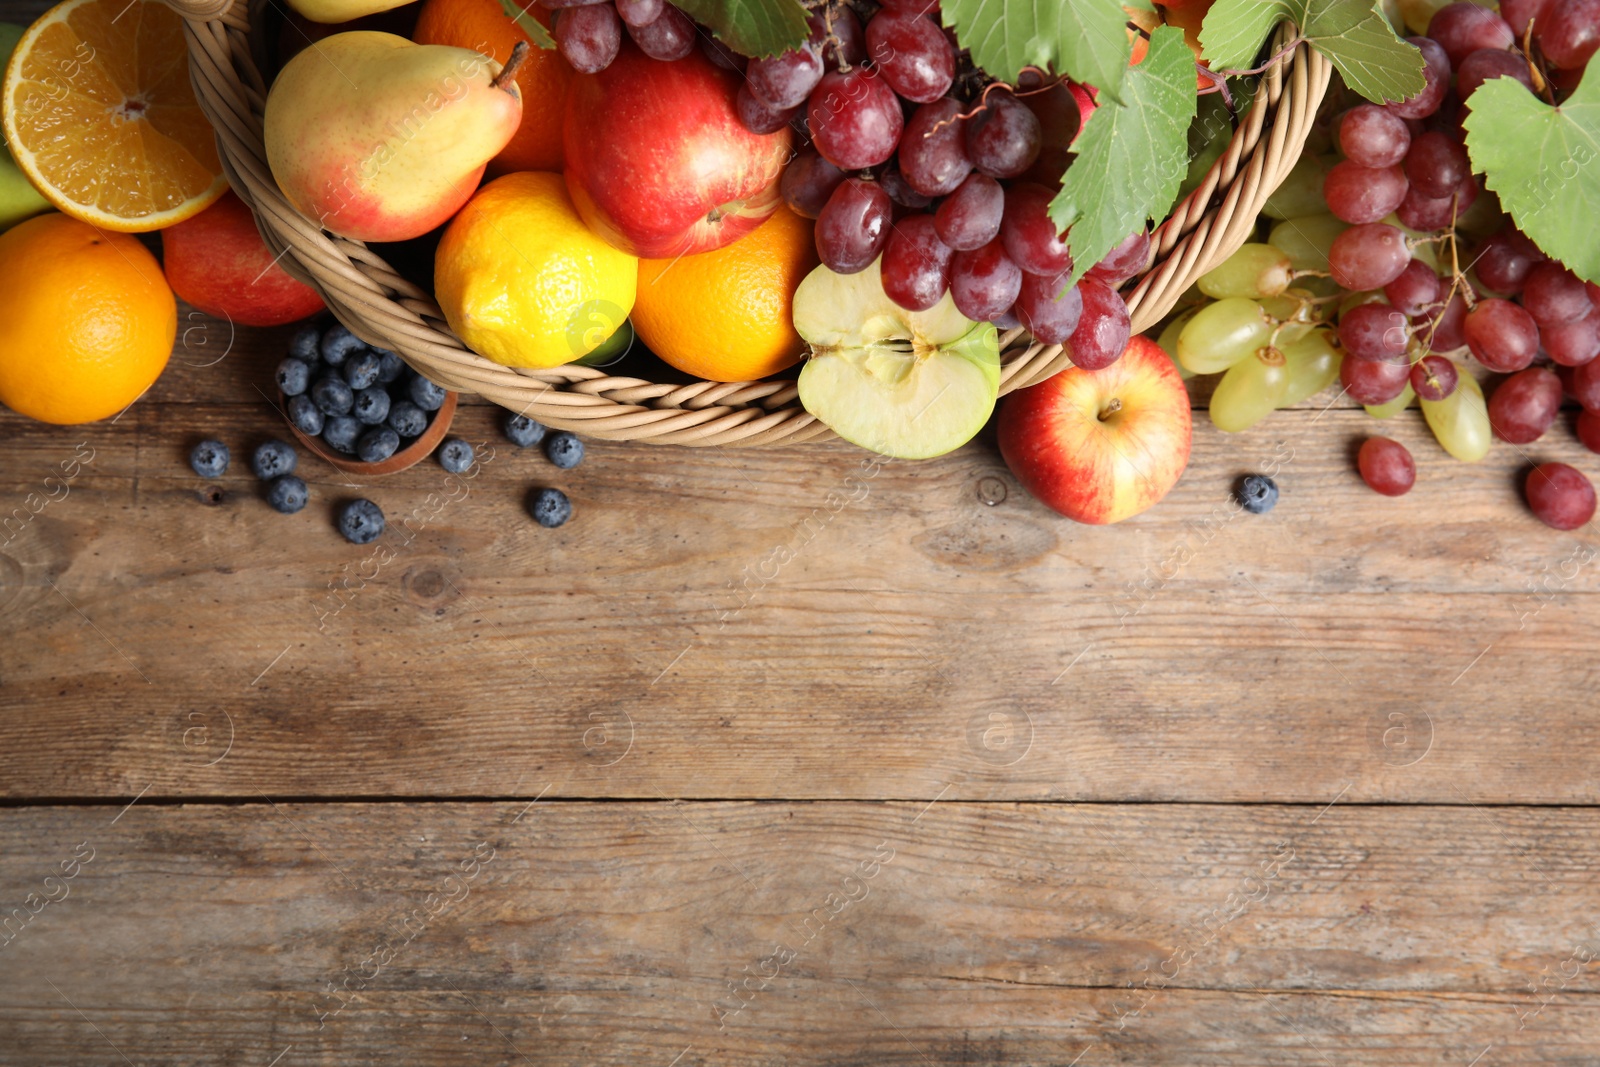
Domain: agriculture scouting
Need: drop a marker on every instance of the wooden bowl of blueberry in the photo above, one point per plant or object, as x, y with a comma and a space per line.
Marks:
358, 407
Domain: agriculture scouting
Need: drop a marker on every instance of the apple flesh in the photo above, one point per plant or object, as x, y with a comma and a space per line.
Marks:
1101, 446
658, 163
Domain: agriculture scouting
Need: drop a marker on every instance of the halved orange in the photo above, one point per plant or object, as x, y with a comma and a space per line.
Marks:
100, 116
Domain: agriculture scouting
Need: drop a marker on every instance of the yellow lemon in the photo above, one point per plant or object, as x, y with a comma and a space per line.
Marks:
524, 282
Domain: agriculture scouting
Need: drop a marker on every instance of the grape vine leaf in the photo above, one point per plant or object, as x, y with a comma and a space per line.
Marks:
754, 28
529, 25
1544, 162
1087, 40
1132, 154
1353, 34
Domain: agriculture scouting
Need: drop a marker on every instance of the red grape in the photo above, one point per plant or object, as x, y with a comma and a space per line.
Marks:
670, 36
1417, 288
1375, 332
1554, 295
1585, 385
1103, 328
1505, 261
1436, 165
1589, 429
837, 31
588, 36
1368, 257
1519, 13
1570, 34
1123, 262
1436, 72
1371, 382
984, 282
1434, 377
1386, 466
919, 7
557, 5
1573, 344
786, 79
1004, 137
1031, 238
969, 218
1488, 63
1524, 405
853, 226
916, 264
640, 12
1462, 28
933, 152
855, 120
912, 54
1502, 336
1428, 213
757, 115
722, 55
808, 181
1358, 194
1049, 308
1443, 327
1372, 136
899, 190
1560, 496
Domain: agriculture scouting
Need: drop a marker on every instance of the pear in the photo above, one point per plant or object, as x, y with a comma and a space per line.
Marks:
18, 198
379, 139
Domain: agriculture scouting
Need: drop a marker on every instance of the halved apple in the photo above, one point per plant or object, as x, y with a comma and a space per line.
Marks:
906, 384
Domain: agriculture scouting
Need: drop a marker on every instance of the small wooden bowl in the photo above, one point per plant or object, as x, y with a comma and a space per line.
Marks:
406, 457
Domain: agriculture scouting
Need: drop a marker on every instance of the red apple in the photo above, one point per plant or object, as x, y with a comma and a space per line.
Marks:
1100, 446
217, 262
658, 162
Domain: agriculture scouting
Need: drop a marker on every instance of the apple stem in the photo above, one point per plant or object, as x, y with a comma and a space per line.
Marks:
1111, 409
509, 71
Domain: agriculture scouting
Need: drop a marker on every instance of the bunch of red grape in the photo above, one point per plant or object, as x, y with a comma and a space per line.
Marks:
898, 166
589, 32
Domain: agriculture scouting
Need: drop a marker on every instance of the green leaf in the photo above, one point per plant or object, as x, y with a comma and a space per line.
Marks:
1544, 162
1087, 40
1132, 155
527, 23
755, 28
1353, 34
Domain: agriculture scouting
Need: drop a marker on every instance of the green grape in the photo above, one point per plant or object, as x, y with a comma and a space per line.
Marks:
1222, 334
1484, 218
1355, 300
1169, 339
1313, 365
1301, 192
1461, 421
1395, 406
1252, 389
1254, 272
1297, 313
1428, 252
1306, 240
611, 349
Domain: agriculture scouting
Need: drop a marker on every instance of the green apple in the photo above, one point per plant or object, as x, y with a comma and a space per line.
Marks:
18, 198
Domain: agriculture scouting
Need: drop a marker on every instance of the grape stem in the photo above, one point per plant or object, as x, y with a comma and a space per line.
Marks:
1541, 84
983, 98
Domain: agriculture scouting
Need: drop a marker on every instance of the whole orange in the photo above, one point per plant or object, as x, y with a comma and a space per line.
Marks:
86, 320
483, 26
728, 315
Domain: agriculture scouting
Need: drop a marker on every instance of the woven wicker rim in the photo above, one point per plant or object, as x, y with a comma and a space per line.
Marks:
385, 309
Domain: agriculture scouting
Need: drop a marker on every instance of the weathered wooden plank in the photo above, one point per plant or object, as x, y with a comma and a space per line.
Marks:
870, 933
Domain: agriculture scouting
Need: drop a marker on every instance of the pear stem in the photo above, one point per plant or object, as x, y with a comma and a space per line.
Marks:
509, 71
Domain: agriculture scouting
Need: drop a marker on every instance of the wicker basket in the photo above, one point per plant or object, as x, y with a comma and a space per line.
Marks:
385, 309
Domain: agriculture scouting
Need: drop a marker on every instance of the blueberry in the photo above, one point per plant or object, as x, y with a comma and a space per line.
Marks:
377, 445
361, 369
1257, 494
564, 450
303, 345
407, 419
523, 431
341, 431
294, 377
390, 366
361, 521
371, 406
339, 344
287, 494
305, 415
550, 507
333, 396
209, 459
455, 455
425, 394
272, 458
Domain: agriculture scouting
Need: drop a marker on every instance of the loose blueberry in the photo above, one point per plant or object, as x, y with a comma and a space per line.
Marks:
390, 366
523, 431
305, 415
550, 507
209, 459
377, 445
339, 344
294, 377
361, 521
407, 419
564, 450
287, 494
361, 369
341, 431
455, 455
425, 394
1257, 494
271, 459
304, 344
371, 406
332, 395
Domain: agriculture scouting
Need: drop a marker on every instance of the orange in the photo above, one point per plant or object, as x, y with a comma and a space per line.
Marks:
86, 320
100, 116
484, 26
727, 315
